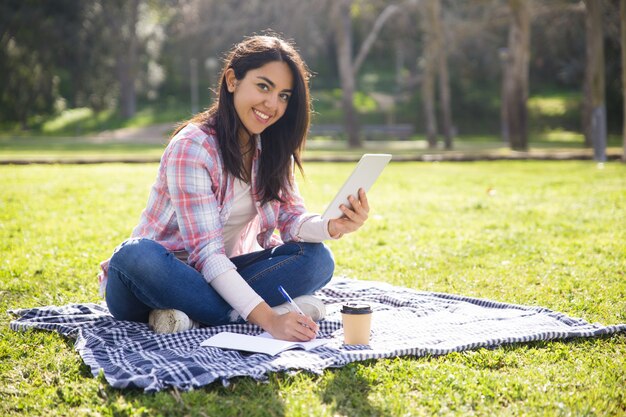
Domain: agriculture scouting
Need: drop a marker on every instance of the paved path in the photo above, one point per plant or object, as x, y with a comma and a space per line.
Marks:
150, 134
159, 134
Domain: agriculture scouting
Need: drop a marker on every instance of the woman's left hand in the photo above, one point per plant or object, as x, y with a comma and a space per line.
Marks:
353, 217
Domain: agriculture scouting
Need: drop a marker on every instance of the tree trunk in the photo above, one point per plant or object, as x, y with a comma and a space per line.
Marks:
594, 79
585, 117
429, 60
505, 58
346, 73
517, 94
444, 79
126, 63
623, 36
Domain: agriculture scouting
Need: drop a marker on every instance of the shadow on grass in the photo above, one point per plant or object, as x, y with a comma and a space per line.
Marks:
242, 397
347, 391
343, 391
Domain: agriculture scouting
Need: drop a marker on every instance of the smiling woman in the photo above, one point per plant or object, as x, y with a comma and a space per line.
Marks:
204, 251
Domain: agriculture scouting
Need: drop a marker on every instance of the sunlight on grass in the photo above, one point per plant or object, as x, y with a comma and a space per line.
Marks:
560, 135
67, 118
548, 106
84, 121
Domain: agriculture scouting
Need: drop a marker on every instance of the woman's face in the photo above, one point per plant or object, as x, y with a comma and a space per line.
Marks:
261, 97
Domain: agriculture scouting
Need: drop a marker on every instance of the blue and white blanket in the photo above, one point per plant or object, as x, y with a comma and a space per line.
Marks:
405, 322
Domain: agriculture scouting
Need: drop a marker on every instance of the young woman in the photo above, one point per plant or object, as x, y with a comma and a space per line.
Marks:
205, 251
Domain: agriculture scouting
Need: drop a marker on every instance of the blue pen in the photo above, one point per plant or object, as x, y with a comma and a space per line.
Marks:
289, 299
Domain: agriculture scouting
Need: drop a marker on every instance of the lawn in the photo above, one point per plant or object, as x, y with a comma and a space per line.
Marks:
539, 233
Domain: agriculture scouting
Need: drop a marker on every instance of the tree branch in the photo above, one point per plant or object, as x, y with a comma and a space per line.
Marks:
371, 38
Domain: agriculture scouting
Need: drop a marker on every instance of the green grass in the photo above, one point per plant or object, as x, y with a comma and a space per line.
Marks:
538, 233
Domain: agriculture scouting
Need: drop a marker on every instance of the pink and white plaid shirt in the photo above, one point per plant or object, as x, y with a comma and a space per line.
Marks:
191, 200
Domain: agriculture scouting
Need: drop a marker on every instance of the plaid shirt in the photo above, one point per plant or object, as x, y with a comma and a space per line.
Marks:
191, 200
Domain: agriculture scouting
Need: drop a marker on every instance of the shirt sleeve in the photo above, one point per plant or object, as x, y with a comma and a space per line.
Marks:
237, 292
190, 187
314, 230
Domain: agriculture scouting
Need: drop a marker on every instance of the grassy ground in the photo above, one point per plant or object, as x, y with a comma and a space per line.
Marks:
539, 233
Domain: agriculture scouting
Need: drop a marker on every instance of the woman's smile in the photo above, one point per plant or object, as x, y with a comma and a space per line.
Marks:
261, 97
262, 116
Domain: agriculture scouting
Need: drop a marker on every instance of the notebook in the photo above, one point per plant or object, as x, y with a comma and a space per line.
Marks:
263, 343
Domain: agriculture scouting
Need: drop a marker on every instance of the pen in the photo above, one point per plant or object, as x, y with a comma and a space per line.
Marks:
289, 299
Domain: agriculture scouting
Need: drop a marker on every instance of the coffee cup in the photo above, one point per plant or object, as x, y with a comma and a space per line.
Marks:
357, 322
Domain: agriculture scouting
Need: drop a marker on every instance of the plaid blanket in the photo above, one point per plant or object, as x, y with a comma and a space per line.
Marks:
405, 322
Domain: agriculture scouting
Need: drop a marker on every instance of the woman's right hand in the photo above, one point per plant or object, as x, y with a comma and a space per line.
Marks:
292, 326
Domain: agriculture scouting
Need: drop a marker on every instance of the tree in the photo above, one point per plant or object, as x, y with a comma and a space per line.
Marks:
343, 31
516, 75
444, 80
595, 110
68, 53
122, 17
435, 66
349, 68
429, 68
623, 43
28, 66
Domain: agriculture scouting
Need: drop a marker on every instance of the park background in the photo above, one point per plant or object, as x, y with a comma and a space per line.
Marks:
430, 80
442, 74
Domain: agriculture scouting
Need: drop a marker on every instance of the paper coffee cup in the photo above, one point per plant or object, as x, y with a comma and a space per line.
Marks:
357, 322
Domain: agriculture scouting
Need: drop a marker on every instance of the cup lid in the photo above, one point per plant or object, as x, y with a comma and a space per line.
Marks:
356, 308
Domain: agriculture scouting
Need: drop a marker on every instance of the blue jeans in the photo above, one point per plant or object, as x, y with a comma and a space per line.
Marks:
144, 276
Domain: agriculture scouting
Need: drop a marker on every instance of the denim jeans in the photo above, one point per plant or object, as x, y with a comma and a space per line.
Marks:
144, 276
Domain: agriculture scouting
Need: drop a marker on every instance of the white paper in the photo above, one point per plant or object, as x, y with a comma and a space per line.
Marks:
263, 343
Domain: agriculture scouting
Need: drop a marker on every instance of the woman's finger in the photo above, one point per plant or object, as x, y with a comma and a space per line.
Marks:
302, 328
363, 200
355, 203
347, 211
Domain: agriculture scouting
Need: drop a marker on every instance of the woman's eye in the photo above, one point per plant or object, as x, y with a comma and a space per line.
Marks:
285, 97
263, 87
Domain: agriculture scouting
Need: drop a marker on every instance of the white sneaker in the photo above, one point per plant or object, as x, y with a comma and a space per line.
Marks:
310, 306
170, 321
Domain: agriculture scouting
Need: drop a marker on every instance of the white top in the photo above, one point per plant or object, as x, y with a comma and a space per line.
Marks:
242, 212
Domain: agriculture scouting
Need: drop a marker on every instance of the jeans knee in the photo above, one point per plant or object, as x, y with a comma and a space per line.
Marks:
135, 256
322, 260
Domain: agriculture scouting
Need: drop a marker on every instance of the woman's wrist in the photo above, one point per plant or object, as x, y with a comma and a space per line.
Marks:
332, 230
263, 316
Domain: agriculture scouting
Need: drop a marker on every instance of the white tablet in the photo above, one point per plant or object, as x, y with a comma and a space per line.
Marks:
364, 175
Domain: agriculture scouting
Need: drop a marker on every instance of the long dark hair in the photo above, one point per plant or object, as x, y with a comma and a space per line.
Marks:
282, 140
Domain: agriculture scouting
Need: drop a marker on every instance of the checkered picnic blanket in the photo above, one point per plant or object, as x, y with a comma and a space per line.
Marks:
406, 322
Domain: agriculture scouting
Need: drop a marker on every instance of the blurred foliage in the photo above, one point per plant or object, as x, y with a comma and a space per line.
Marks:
63, 55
